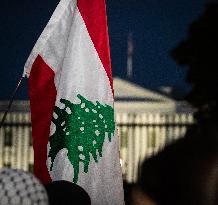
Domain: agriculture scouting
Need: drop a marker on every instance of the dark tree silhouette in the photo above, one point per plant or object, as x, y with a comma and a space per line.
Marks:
199, 51
186, 172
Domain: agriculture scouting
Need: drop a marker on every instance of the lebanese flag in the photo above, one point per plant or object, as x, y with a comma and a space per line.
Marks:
71, 100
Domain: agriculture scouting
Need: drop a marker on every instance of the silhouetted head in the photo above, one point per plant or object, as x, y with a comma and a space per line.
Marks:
66, 193
186, 172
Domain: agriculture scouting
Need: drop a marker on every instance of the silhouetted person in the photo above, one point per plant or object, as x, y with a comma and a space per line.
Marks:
186, 172
66, 193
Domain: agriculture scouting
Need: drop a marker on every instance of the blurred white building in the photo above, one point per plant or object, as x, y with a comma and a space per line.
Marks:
131, 98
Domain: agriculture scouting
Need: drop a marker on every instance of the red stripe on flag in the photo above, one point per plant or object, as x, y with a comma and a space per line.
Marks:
42, 93
94, 16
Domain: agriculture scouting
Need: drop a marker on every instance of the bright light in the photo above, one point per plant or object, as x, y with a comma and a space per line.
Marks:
121, 162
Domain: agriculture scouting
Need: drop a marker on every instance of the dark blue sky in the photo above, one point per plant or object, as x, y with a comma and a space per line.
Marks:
157, 26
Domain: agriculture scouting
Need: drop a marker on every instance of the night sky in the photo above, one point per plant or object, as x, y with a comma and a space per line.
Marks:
157, 26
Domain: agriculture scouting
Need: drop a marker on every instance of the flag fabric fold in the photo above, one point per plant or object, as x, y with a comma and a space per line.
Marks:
71, 100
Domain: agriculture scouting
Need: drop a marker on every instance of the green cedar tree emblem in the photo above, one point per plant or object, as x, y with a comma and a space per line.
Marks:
81, 129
